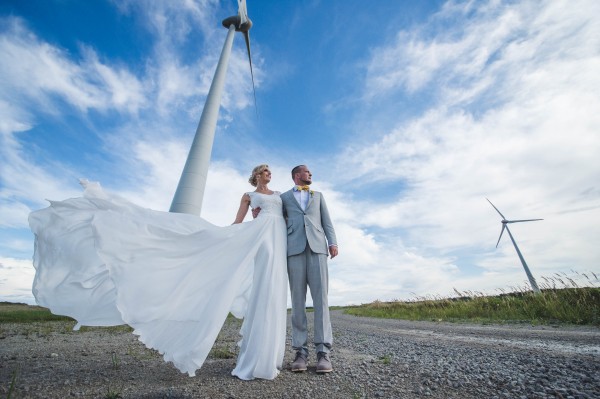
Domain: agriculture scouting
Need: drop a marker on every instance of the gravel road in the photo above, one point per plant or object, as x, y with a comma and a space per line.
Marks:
373, 358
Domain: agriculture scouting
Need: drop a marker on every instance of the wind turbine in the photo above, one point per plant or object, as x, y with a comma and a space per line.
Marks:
505, 222
190, 190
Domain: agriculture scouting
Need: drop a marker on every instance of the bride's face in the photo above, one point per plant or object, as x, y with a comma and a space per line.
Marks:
264, 176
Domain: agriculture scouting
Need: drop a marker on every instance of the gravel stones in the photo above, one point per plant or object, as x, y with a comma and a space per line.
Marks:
373, 358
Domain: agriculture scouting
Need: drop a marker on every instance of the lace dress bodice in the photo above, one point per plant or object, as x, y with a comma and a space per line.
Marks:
270, 204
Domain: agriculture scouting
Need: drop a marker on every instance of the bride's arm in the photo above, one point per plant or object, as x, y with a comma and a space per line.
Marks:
241, 213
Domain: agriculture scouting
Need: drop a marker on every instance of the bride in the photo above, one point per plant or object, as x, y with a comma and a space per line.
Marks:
173, 277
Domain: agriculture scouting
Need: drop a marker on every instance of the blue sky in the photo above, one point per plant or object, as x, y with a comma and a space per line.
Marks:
409, 115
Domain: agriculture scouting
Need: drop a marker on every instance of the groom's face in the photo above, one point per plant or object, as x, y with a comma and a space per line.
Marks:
305, 176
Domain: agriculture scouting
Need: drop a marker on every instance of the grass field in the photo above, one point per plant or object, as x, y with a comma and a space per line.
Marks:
562, 301
565, 306
22, 313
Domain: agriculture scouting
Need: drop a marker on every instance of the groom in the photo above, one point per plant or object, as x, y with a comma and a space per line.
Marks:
310, 238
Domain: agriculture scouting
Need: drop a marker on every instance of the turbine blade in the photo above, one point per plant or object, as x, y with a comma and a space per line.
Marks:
244, 20
496, 209
524, 220
501, 231
242, 11
247, 38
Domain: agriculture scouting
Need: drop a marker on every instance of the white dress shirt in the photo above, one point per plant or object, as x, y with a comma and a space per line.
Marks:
302, 197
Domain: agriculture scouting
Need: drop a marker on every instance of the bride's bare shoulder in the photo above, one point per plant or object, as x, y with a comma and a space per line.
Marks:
246, 197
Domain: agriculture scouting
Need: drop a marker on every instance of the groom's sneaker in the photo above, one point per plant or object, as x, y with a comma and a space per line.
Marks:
300, 363
323, 363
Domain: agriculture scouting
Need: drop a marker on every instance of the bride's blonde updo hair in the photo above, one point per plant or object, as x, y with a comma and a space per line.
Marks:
255, 173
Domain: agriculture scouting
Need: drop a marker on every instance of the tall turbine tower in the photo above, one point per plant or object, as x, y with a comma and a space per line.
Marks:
532, 281
190, 190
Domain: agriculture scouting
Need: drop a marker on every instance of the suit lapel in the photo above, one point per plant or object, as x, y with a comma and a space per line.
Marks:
310, 199
292, 198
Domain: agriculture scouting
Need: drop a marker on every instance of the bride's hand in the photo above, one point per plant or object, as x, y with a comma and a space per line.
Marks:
255, 212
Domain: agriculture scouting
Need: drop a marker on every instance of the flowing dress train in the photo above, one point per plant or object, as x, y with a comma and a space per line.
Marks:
172, 277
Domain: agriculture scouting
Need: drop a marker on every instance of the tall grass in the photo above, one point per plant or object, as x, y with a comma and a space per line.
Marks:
562, 300
13, 382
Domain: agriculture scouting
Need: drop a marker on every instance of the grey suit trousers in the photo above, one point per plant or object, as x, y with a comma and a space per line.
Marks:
310, 268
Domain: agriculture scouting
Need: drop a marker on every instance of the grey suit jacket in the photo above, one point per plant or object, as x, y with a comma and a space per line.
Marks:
312, 225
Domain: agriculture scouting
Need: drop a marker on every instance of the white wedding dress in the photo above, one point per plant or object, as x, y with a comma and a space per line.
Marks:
172, 277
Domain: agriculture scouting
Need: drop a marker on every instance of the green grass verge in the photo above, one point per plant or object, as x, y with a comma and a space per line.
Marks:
553, 306
22, 313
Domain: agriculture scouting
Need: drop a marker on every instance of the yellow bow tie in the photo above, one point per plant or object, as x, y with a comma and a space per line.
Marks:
303, 188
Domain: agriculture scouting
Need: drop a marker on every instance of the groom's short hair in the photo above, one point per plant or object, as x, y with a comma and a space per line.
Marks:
297, 170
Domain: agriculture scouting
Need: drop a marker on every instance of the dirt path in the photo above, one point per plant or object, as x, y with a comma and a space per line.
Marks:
372, 358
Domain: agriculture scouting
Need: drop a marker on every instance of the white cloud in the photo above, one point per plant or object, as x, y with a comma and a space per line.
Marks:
35, 71
178, 81
16, 279
123, 90
513, 117
24, 182
172, 22
13, 214
14, 119
36, 74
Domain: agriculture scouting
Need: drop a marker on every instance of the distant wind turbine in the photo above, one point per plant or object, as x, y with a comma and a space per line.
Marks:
190, 190
532, 281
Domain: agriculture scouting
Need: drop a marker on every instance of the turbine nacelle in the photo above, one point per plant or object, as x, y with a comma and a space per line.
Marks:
236, 21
